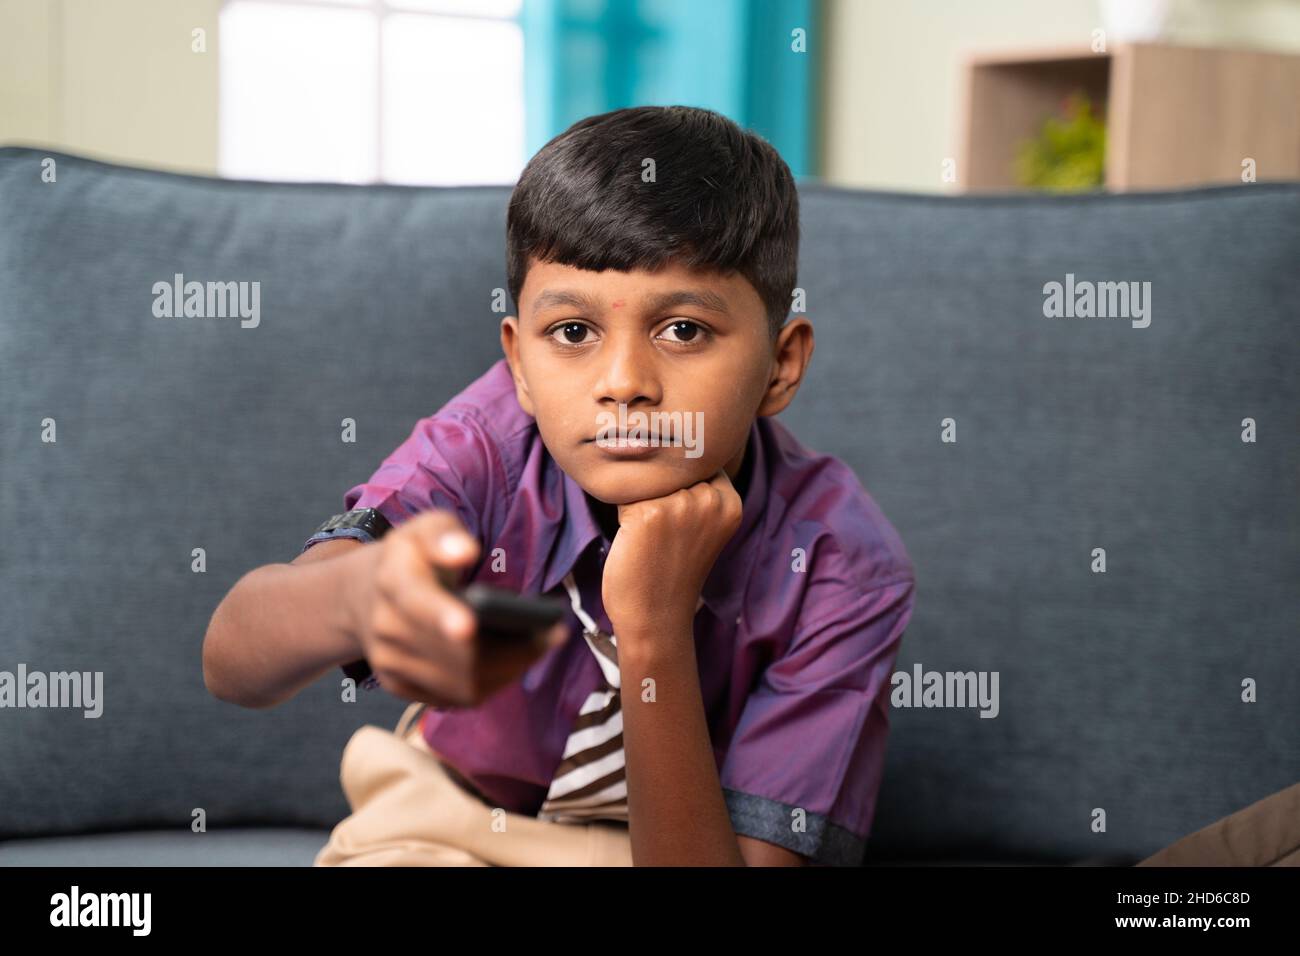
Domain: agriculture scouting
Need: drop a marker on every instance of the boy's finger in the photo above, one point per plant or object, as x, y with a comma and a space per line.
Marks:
444, 540
427, 605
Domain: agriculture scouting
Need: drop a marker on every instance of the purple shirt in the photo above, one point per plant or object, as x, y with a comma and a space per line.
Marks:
795, 641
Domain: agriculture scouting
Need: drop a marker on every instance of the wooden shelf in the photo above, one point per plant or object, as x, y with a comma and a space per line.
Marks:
1175, 116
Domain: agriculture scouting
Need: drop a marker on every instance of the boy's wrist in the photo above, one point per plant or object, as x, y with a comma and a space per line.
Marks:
650, 638
356, 581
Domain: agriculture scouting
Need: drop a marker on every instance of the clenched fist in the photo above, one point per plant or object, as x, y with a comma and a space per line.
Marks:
663, 552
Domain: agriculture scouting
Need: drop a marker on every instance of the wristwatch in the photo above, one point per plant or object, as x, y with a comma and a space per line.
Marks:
374, 524
369, 520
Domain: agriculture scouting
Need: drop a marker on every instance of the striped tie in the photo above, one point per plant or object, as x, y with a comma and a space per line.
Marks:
590, 782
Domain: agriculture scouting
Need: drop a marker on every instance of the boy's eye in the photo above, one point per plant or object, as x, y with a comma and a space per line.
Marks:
686, 330
572, 332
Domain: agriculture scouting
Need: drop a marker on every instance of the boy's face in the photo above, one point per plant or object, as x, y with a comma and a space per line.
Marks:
673, 341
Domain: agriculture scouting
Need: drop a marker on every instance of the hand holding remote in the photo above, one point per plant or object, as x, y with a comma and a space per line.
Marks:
422, 641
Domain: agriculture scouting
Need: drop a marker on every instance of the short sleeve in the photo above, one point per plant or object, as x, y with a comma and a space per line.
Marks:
447, 462
804, 764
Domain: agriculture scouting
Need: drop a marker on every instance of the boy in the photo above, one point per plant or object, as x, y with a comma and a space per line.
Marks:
749, 590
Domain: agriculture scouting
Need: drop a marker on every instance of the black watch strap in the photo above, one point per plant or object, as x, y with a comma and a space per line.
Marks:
374, 524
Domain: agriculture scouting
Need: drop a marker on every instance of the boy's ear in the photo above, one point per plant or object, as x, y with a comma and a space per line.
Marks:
792, 352
510, 346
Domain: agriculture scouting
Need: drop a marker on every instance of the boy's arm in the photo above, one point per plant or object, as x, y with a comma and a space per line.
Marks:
678, 815
661, 555
343, 600
826, 692
390, 602
284, 625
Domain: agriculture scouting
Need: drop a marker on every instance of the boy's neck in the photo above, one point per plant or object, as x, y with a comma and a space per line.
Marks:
606, 515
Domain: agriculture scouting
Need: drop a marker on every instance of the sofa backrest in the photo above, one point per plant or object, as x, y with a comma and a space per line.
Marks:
1120, 691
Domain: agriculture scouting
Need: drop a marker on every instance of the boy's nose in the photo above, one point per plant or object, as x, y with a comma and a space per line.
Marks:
627, 377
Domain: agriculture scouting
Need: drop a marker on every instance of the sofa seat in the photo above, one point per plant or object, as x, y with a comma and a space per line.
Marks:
249, 846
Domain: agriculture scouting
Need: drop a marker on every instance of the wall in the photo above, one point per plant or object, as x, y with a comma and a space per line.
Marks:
114, 79
892, 69
117, 78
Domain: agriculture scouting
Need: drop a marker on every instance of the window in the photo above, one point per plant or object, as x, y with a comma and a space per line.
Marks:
402, 91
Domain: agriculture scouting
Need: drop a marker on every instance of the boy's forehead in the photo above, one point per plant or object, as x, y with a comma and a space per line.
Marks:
551, 284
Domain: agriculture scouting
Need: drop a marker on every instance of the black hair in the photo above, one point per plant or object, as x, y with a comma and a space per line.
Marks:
722, 199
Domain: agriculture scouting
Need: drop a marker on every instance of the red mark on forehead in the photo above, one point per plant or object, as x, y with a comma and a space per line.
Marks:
617, 305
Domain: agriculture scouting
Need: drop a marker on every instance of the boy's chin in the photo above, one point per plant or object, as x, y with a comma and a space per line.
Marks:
628, 482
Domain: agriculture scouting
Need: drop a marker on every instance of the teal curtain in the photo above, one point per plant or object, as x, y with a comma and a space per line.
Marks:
738, 57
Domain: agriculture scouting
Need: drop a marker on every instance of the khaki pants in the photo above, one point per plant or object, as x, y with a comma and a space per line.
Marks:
406, 811
1266, 833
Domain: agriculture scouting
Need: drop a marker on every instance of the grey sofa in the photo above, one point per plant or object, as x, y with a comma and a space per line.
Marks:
1118, 691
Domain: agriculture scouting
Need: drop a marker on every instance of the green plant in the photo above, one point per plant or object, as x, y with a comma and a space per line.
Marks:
1068, 154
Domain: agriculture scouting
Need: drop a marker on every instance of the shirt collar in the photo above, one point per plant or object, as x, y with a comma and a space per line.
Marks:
578, 529
723, 588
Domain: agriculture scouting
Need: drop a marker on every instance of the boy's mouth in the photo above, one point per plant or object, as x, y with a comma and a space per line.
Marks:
619, 445
620, 438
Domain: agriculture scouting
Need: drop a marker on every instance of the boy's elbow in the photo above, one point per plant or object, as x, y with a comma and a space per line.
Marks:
214, 688
224, 689
217, 675
213, 679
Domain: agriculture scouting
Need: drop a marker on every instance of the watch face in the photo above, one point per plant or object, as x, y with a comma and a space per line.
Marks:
367, 519
375, 523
